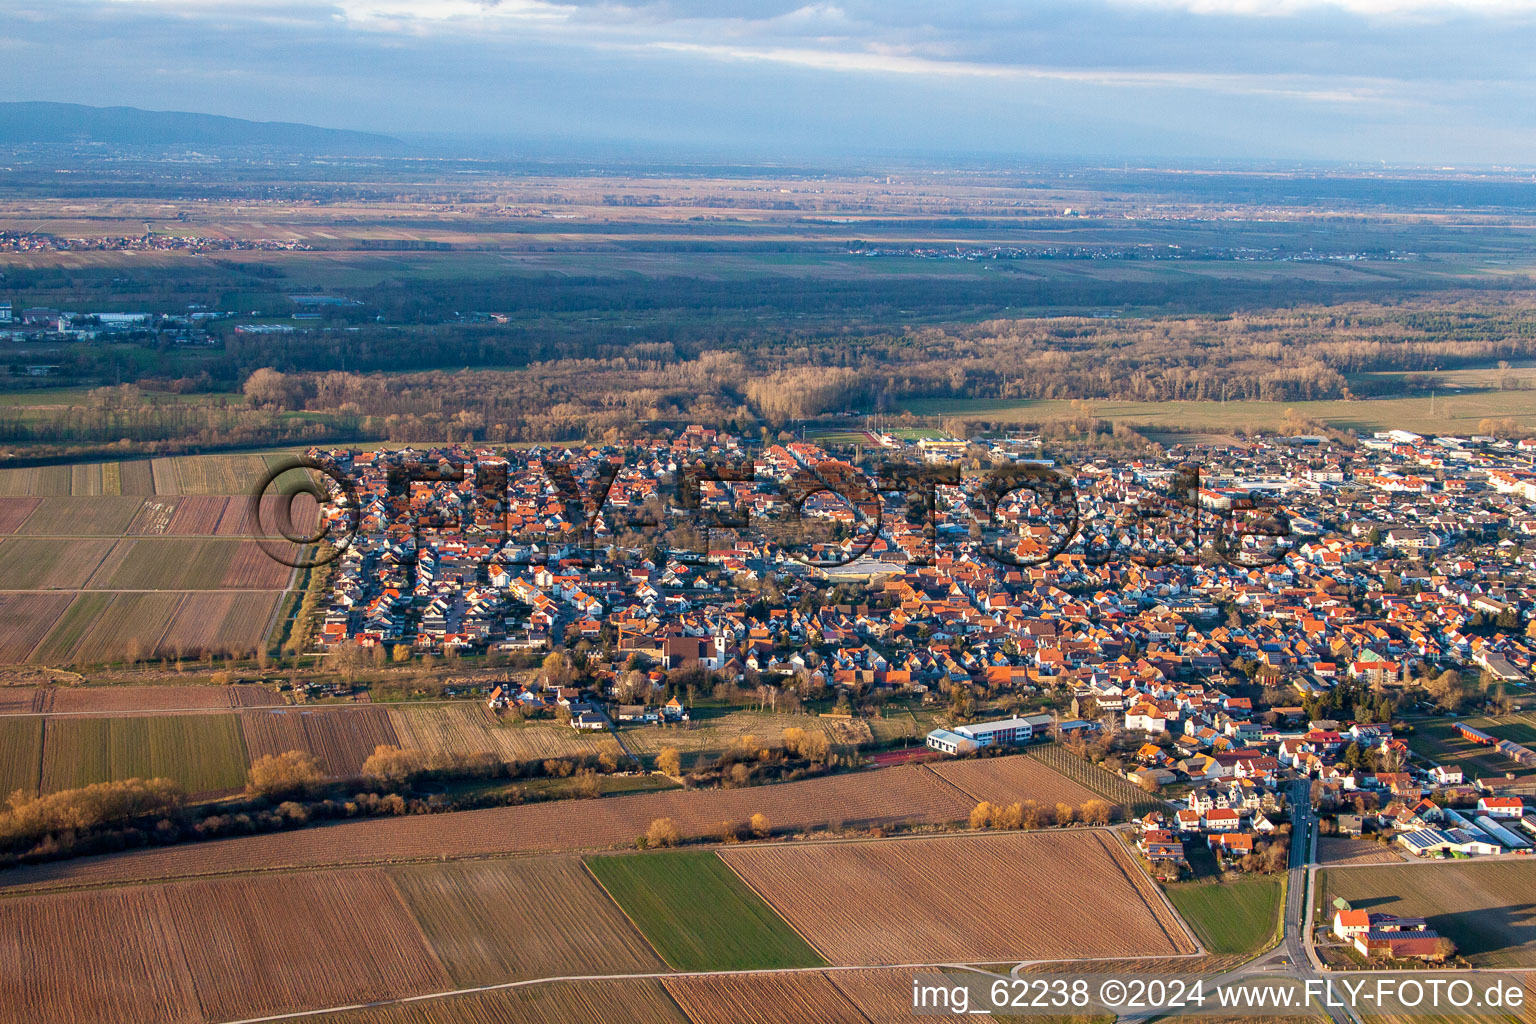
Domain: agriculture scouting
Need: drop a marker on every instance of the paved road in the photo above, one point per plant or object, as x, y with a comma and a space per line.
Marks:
1292, 957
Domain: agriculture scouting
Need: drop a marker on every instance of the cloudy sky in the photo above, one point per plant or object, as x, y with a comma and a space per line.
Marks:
1401, 81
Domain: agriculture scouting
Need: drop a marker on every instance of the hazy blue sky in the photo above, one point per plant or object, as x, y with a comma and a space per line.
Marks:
1417, 81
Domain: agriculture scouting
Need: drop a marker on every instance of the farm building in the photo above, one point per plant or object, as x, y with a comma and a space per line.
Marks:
1504, 837
1466, 732
1423, 944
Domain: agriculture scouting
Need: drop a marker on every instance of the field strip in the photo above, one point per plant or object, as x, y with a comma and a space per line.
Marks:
758, 893
150, 712
277, 607
170, 620
653, 976
951, 785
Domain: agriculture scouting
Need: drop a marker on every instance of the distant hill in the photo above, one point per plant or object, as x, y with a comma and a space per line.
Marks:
30, 123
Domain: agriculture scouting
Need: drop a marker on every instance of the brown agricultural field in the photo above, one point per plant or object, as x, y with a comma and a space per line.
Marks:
765, 999
110, 957
21, 700
1336, 850
897, 899
272, 944
882, 995
82, 517
165, 563
37, 563
198, 517
888, 797
24, 620
340, 738
641, 1000
464, 728
134, 477
1011, 780
41, 481
165, 479
14, 512
240, 520
252, 567
67, 700
84, 479
221, 623
500, 920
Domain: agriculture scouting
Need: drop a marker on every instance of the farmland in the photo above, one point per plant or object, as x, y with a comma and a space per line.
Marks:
1011, 780
21, 755
1106, 784
155, 563
1338, 851
203, 753
125, 546
491, 921
105, 626
1230, 917
889, 796
341, 739
714, 731
470, 729
129, 699
1482, 906
224, 623
108, 957
272, 944
564, 1002
81, 517
14, 512
866, 926
1438, 739
24, 620
698, 914
765, 999
28, 563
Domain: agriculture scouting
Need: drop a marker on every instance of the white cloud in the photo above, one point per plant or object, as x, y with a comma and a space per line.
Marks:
1331, 91
1368, 8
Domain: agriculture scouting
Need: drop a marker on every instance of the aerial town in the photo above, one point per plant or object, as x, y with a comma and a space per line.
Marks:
1400, 585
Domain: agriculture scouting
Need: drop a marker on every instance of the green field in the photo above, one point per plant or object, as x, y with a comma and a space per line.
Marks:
1484, 906
1437, 738
1231, 917
698, 914
1454, 414
21, 755
203, 753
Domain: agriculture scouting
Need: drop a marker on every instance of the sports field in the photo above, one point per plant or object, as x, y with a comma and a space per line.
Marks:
698, 914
